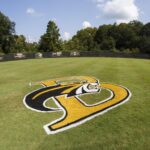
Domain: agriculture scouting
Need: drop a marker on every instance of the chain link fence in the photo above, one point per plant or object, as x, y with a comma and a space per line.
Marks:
21, 56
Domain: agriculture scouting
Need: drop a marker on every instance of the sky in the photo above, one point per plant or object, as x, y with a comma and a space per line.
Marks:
31, 16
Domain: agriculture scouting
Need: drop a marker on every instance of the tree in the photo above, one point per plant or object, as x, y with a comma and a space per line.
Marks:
136, 26
108, 44
102, 33
146, 30
144, 44
32, 47
50, 40
7, 31
20, 43
83, 40
71, 45
104, 37
125, 36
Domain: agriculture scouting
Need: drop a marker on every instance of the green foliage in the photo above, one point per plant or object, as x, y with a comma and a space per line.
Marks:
102, 33
104, 38
7, 27
50, 40
133, 37
146, 30
85, 38
9, 41
108, 44
32, 47
7, 30
126, 37
145, 44
71, 45
82, 41
20, 44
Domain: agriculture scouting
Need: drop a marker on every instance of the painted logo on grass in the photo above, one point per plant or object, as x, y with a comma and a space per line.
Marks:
65, 93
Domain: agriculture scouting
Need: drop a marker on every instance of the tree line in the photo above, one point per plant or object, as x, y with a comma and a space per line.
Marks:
133, 37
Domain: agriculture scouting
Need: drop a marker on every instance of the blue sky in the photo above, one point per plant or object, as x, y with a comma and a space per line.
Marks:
31, 16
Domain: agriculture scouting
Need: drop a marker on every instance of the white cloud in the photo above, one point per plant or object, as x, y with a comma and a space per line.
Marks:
119, 10
30, 11
86, 24
33, 13
66, 36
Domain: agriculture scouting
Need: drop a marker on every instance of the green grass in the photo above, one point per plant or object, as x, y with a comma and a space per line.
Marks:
126, 127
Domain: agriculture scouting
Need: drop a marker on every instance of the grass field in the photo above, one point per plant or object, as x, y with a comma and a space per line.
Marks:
126, 127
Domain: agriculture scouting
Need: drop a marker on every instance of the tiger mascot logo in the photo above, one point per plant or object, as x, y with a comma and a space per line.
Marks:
65, 93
